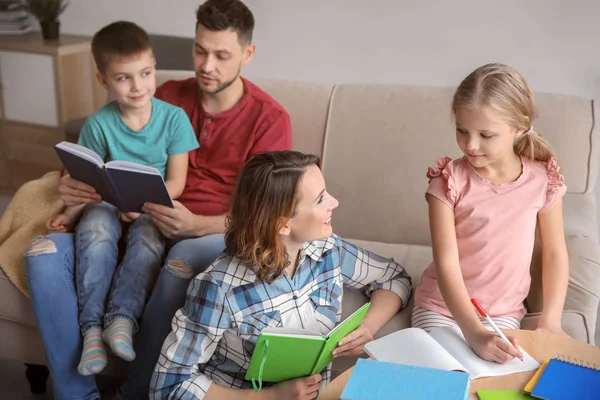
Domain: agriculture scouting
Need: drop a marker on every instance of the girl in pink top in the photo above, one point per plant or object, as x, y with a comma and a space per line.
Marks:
483, 211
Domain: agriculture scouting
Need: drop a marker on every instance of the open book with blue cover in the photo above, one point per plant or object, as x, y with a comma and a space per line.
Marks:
124, 184
282, 353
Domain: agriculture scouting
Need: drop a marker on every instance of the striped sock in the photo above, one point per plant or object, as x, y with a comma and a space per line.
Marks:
118, 335
93, 356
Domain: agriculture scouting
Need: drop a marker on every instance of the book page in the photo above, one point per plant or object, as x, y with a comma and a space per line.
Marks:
81, 151
133, 167
452, 339
412, 346
281, 331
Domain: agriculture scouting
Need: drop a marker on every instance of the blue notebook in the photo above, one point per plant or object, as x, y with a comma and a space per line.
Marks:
566, 380
378, 380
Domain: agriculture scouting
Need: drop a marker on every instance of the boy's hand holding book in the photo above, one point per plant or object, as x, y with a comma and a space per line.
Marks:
73, 192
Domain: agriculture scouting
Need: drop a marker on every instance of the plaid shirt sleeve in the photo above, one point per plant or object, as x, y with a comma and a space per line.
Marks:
197, 330
364, 269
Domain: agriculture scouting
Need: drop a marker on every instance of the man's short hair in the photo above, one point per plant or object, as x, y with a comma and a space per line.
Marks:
220, 15
118, 39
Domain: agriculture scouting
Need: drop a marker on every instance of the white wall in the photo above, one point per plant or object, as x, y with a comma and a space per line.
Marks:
554, 43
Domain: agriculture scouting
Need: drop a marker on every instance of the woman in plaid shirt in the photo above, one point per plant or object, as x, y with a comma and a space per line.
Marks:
283, 266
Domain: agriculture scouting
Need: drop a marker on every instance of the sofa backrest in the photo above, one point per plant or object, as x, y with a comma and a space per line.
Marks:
377, 141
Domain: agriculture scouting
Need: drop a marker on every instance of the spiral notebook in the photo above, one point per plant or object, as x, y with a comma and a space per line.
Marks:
567, 378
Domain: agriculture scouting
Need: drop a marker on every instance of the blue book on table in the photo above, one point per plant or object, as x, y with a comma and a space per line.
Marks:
565, 380
378, 380
124, 184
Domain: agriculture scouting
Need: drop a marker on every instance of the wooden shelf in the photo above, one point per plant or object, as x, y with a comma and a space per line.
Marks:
44, 85
34, 43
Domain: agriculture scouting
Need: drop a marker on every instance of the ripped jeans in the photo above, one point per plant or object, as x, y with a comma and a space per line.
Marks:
97, 239
49, 261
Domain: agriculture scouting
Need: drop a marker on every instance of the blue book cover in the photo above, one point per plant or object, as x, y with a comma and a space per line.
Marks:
564, 380
378, 380
124, 184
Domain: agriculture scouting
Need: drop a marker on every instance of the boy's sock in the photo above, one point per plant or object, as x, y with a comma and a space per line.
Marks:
93, 356
118, 336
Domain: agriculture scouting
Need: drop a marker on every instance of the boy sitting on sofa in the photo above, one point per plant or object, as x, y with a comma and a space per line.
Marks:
135, 127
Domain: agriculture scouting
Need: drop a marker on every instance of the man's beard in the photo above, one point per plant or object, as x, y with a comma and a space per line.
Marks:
222, 86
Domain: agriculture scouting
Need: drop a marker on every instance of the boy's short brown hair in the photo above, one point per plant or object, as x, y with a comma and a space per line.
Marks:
220, 15
118, 39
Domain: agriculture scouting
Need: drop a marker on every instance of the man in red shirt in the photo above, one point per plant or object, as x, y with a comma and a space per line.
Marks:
233, 120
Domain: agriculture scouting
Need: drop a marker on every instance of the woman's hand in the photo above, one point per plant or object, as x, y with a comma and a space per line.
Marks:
491, 347
297, 389
353, 343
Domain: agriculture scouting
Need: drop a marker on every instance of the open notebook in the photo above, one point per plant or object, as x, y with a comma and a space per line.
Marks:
283, 353
442, 348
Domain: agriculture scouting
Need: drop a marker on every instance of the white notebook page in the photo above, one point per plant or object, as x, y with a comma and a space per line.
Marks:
412, 346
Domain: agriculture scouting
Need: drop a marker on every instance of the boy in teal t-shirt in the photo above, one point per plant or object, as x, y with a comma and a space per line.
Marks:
134, 127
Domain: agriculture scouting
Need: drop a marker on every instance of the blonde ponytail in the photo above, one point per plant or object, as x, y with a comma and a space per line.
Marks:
534, 147
504, 90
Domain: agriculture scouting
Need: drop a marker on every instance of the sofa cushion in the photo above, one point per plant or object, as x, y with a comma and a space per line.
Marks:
4, 200
309, 104
580, 216
14, 306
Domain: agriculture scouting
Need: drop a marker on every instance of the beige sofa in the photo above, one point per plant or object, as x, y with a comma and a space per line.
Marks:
377, 142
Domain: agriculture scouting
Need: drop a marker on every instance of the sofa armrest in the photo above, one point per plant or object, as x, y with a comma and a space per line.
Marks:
583, 294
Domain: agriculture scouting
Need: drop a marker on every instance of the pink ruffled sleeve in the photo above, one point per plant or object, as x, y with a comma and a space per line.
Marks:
441, 182
556, 185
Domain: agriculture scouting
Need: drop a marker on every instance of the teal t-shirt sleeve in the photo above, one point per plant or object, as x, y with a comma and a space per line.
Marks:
92, 138
183, 137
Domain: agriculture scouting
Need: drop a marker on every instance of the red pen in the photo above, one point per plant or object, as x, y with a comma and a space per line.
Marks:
491, 322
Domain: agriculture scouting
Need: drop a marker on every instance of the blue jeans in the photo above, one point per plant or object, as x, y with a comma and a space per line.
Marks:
96, 247
51, 277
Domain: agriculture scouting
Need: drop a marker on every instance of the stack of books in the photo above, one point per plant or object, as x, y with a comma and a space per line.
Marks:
13, 19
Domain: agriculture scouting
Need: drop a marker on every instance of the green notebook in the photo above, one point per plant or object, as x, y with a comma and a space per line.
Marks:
283, 353
502, 395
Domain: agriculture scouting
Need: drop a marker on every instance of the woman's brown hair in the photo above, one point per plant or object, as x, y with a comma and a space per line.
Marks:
505, 91
263, 201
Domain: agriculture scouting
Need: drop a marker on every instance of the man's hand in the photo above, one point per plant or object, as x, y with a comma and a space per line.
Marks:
74, 192
174, 222
352, 344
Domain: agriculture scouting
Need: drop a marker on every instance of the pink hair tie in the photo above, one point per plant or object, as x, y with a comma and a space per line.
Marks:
528, 131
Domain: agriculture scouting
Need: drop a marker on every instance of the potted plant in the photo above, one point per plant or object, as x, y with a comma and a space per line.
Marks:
47, 13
